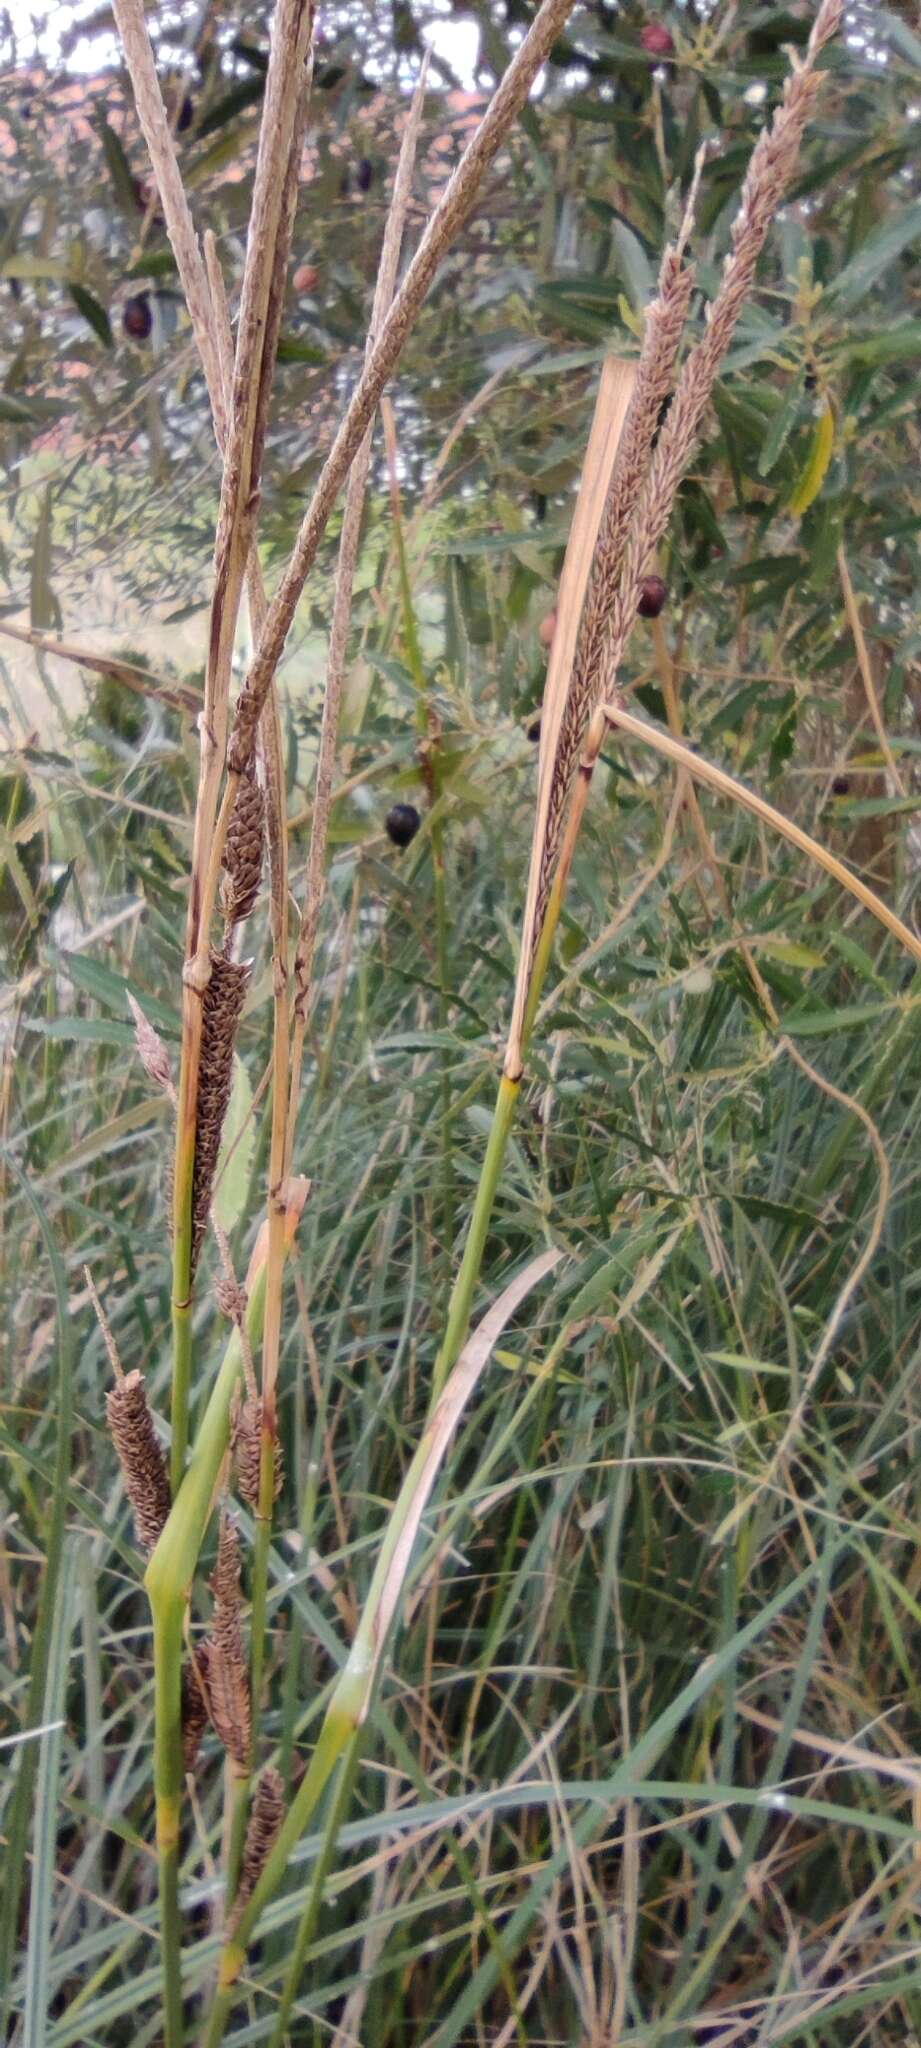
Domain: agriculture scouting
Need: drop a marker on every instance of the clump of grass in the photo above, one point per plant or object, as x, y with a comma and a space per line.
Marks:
589, 1554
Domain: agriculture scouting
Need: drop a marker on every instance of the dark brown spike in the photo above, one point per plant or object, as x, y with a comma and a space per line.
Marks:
221, 1006
228, 1678
140, 1456
247, 1446
195, 1714
266, 1816
243, 851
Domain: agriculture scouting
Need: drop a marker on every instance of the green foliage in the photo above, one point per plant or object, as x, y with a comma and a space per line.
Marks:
602, 1788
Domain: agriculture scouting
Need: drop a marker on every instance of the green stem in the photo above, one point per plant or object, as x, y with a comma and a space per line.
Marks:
179, 1401
169, 1574
236, 1809
168, 1580
342, 1719
469, 1270
183, 1171
340, 1734
168, 1786
339, 1805
441, 938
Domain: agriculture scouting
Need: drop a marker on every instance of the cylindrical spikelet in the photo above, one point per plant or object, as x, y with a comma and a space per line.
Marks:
194, 1704
266, 1816
231, 1297
140, 1456
228, 1678
247, 1446
221, 1006
243, 851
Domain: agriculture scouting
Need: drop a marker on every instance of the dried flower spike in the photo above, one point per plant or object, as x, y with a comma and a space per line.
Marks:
221, 1006
243, 851
248, 1453
195, 1714
266, 1816
228, 1678
140, 1456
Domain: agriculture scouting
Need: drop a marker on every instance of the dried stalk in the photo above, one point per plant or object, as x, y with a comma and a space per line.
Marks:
448, 218
175, 696
342, 608
152, 114
716, 778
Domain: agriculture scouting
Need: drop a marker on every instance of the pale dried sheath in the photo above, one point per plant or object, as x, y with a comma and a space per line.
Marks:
140, 1456
654, 377
151, 1051
611, 406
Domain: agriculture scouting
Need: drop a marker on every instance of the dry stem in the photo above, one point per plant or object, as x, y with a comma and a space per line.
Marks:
449, 216
342, 609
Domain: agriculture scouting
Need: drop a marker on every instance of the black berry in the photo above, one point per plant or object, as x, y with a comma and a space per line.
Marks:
841, 785
137, 318
403, 822
364, 176
652, 597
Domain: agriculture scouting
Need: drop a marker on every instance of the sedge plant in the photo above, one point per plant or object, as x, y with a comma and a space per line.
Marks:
633, 467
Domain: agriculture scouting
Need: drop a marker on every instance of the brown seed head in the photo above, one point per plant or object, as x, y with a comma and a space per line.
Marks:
228, 1678
221, 1006
266, 1816
231, 1297
248, 1453
243, 851
194, 1704
140, 1456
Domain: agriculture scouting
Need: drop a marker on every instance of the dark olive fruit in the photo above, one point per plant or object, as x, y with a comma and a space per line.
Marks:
652, 597
137, 317
841, 785
534, 729
402, 822
364, 176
